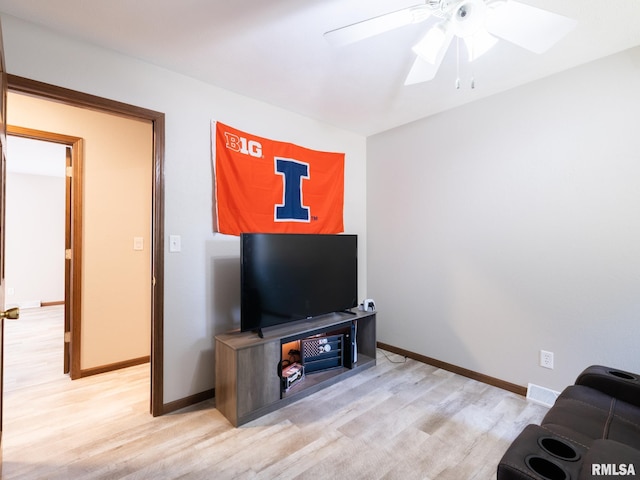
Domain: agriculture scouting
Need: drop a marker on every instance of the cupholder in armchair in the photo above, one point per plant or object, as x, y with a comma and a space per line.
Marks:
542, 454
558, 448
546, 468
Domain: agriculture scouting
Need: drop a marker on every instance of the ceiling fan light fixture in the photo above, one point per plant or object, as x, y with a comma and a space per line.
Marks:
469, 17
479, 43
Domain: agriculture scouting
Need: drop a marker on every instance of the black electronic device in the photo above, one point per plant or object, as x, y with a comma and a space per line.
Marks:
323, 352
289, 277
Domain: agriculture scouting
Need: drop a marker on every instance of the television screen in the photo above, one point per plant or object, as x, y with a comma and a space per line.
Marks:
288, 277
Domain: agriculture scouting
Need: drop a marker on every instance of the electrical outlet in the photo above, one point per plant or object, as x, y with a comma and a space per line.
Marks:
546, 359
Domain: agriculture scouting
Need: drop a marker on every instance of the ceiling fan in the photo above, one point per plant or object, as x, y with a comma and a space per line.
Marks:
479, 23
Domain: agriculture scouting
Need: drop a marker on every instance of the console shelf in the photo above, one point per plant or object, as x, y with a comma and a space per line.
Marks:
247, 381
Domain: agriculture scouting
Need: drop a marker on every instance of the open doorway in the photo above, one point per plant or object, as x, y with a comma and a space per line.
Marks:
57, 95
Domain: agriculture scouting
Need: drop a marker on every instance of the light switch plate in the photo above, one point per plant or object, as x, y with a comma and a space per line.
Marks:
138, 243
175, 243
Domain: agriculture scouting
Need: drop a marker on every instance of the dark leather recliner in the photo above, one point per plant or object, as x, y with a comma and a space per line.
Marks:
592, 431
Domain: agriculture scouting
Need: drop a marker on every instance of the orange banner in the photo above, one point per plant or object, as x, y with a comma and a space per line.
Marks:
266, 186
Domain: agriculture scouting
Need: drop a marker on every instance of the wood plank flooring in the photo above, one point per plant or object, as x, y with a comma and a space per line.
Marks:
395, 421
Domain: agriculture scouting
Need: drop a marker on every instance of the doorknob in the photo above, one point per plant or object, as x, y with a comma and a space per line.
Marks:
11, 314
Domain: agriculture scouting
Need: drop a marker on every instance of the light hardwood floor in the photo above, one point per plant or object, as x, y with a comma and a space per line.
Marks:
395, 421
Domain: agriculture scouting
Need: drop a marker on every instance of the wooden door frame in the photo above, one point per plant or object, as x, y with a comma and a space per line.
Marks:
69, 245
82, 100
73, 278
3, 198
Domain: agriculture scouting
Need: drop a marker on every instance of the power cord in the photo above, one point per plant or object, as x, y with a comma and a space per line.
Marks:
404, 357
294, 355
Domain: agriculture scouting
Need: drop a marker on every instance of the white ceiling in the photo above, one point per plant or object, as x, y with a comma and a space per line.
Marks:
274, 51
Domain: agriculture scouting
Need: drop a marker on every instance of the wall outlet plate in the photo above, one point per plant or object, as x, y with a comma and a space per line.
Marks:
546, 359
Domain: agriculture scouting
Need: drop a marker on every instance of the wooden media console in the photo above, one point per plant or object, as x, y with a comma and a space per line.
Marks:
248, 383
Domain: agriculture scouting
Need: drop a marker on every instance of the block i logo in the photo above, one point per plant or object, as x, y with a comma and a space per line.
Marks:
293, 172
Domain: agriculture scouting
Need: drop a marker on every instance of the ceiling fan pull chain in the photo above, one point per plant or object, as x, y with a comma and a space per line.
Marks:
473, 78
457, 63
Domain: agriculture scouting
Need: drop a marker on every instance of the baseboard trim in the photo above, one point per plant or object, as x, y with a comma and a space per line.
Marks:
87, 372
495, 382
188, 401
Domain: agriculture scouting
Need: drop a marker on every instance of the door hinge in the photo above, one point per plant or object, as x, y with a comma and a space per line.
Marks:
69, 172
67, 337
67, 254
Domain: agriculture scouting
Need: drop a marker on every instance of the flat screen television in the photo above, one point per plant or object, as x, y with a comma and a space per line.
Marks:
289, 277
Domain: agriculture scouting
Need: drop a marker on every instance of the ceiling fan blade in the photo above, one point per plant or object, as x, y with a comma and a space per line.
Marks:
433, 44
421, 71
430, 52
377, 25
528, 27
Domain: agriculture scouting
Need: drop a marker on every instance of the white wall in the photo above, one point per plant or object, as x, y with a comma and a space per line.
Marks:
35, 216
201, 282
512, 225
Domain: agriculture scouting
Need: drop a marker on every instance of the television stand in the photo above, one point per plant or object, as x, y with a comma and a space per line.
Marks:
247, 382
